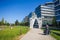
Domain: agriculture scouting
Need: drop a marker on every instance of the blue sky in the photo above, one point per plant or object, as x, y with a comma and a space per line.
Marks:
13, 10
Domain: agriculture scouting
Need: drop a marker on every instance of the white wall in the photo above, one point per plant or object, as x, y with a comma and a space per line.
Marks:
33, 20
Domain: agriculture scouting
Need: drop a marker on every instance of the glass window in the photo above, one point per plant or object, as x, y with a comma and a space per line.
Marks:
48, 17
54, 0
58, 17
57, 2
57, 12
57, 7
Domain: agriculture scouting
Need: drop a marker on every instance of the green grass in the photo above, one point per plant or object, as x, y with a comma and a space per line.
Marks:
11, 34
55, 34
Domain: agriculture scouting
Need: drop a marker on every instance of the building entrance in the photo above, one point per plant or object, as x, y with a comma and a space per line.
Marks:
36, 24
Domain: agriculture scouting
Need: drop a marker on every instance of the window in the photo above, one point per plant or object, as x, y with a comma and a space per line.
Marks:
47, 17
57, 12
57, 2
58, 17
54, 0
57, 7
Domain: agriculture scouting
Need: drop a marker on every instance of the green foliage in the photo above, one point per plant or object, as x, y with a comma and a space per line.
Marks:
54, 21
24, 24
7, 24
55, 35
58, 24
11, 34
2, 21
16, 22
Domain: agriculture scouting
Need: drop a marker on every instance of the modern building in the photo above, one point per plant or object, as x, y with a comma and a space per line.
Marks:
26, 19
57, 10
42, 15
47, 13
38, 11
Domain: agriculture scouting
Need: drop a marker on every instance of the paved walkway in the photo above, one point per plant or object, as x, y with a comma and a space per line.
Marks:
36, 34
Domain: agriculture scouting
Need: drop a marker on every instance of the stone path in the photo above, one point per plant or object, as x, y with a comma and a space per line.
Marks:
36, 34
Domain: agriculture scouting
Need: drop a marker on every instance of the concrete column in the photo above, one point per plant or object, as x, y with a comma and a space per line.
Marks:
40, 23
31, 22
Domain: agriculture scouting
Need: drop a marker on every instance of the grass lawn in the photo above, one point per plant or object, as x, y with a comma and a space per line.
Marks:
55, 34
10, 34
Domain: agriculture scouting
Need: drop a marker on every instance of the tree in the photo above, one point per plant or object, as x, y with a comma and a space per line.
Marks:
54, 21
26, 23
2, 21
16, 22
6, 23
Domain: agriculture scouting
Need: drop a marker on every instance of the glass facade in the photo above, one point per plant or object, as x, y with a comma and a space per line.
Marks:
58, 17
30, 15
57, 9
47, 11
56, 2
38, 11
48, 17
57, 12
